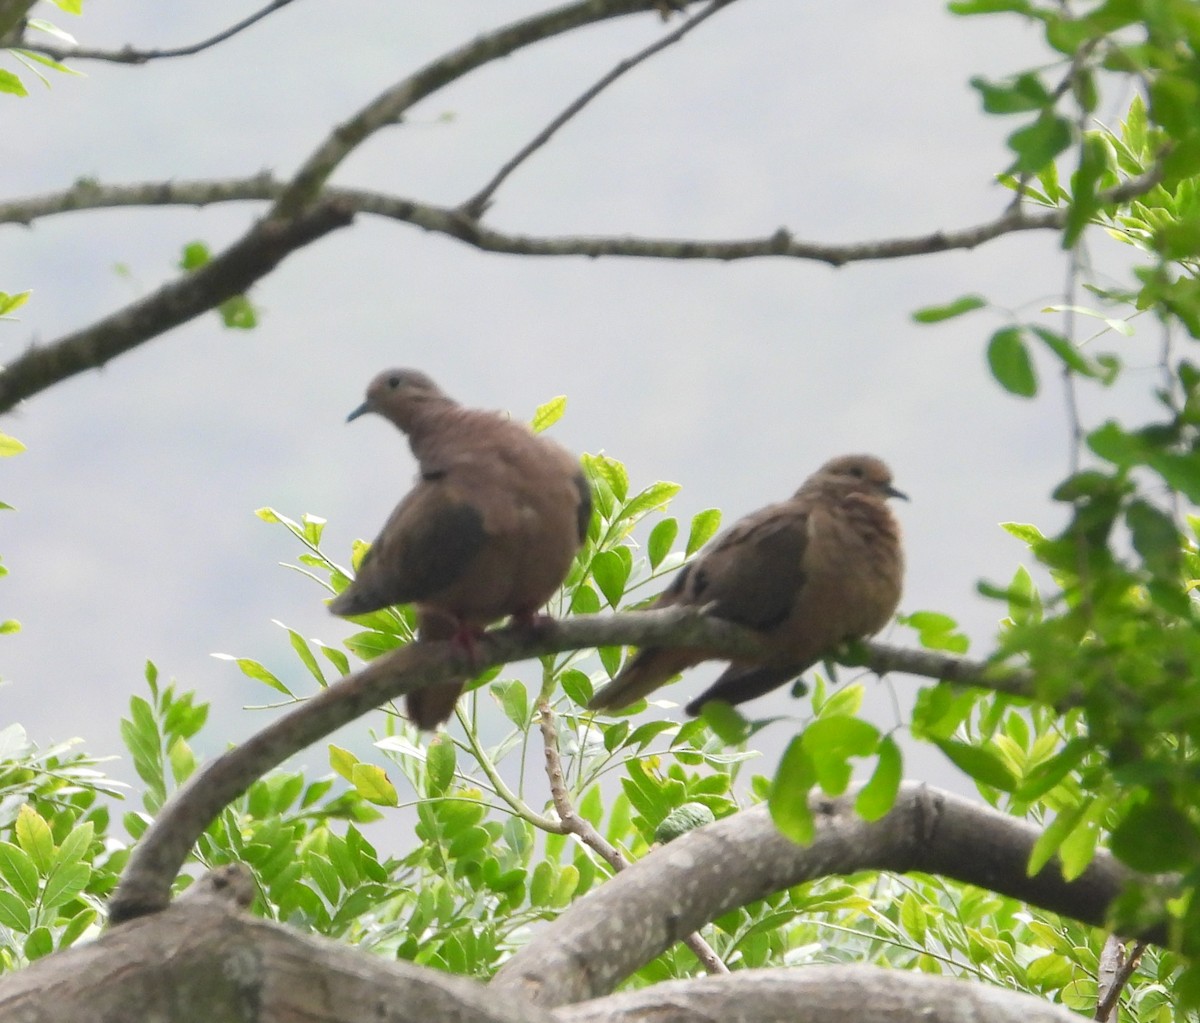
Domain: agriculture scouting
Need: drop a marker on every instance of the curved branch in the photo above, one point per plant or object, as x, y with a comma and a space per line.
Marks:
575, 824
481, 200
158, 857
818, 994
251, 257
129, 55
643, 910
390, 106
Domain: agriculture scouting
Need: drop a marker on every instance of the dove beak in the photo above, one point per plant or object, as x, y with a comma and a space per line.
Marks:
362, 410
893, 492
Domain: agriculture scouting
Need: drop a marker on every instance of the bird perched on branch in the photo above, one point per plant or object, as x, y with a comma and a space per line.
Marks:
489, 529
808, 573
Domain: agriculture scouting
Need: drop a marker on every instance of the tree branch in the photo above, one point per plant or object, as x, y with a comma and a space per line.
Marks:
734, 861
481, 200
390, 106
251, 257
582, 828
818, 994
129, 55
158, 857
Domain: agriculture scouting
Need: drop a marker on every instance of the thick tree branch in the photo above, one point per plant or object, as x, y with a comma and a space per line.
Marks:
232, 272
583, 829
158, 857
390, 106
44, 366
643, 910
204, 960
130, 55
481, 200
818, 994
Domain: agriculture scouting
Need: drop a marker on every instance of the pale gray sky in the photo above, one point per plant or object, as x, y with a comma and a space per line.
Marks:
135, 535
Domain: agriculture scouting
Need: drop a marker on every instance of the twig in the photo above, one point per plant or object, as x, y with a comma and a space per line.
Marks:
1114, 974
231, 273
146, 883
128, 55
390, 106
478, 204
589, 836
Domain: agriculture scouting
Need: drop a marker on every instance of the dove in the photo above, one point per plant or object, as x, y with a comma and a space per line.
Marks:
809, 573
489, 529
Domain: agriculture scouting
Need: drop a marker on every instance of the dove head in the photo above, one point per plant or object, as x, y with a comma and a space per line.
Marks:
399, 395
855, 474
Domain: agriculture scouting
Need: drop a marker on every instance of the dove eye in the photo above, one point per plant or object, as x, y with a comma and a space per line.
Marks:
858, 471
393, 382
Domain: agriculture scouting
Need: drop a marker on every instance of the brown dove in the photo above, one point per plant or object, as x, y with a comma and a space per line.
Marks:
489, 529
809, 573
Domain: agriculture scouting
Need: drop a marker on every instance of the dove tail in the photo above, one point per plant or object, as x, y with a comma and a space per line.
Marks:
427, 708
737, 684
643, 673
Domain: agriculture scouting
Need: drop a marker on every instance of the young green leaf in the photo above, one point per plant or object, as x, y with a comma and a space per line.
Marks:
1010, 363
938, 313
549, 413
878, 795
788, 799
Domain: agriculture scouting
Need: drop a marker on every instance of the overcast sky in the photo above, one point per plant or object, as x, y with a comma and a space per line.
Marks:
135, 535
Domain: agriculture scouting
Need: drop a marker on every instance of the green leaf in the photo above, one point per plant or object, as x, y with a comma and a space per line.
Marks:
1154, 537
1181, 472
14, 914
657, 495
342, 761
788, 799
1010, 363
10, 446
33, 836
1044, 776
514, 701
878, 795
1067, 352
65, 882
831, 741
194, 256
1037, 144
252, 669
730, 727
980, 763
10, 83
1018, 95
371, 782
11, 303
577, 686
1155, 837
548, 414
18, 870
938, 313
662, 536
704, 525
610, 572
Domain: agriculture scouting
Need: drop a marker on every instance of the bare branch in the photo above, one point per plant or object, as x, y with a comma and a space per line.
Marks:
582, 828
391, 105
818, 994
47, 365
129, 55
158, 857
251, 257
1114, 973
640, 912
481, 200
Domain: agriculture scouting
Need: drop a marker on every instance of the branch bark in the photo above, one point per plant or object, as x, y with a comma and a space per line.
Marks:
818, 994
643, 910
157, 858
229, 274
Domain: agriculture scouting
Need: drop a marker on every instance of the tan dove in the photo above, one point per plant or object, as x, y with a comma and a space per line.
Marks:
489, 529
809, 573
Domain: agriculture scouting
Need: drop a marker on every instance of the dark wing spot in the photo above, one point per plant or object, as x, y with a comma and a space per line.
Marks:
584, 512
